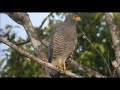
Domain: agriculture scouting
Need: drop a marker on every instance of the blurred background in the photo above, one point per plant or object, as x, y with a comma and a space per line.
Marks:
94, 26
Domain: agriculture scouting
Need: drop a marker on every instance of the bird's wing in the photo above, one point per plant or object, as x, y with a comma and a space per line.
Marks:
56, 43
50, 50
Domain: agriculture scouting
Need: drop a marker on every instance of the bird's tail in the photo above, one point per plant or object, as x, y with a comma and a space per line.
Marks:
54, 74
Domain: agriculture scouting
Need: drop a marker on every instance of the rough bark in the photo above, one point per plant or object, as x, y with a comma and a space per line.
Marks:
86, 69
114, 30
24, 20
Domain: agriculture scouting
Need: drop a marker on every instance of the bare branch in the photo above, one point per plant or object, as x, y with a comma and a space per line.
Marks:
86, 69
6, 34
21, 18
115, 39
44, 42
24, 20
32, 57
45, 20
97, 51
22, 43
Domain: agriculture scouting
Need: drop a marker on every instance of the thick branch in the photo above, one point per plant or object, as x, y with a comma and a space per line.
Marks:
24, 20
32, 57
45, 43
115, 39
86, 69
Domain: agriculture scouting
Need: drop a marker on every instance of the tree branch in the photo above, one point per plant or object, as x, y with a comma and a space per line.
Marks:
24, 20
44, 42
115, 39
45, 20
32, 57
22, 43
86, 69
6, 34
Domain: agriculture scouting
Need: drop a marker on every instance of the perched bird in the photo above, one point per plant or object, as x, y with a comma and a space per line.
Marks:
62, 41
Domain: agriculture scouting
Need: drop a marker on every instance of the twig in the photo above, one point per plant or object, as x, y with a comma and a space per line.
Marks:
22, 43
97, 51
115, 39
32, 57
44, 42
45, 20
6, 34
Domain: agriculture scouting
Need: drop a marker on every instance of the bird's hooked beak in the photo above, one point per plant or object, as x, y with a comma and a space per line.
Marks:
77, 18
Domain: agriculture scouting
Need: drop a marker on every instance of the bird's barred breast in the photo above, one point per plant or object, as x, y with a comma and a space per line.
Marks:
58, 44
61, 47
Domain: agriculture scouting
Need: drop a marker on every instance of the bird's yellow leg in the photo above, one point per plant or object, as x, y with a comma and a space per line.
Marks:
64, 66
59, 65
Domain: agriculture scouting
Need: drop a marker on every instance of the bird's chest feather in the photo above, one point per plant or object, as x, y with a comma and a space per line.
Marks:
69, 34
64, 41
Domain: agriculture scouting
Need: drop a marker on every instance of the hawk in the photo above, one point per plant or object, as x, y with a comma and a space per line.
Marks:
62, 43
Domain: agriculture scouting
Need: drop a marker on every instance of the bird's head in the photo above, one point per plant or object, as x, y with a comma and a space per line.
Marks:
76, 18
73, 19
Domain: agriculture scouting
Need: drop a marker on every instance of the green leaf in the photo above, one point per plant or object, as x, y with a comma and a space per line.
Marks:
101, 48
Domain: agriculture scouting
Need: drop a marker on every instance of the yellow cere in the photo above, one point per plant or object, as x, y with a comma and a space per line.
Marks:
77, 18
